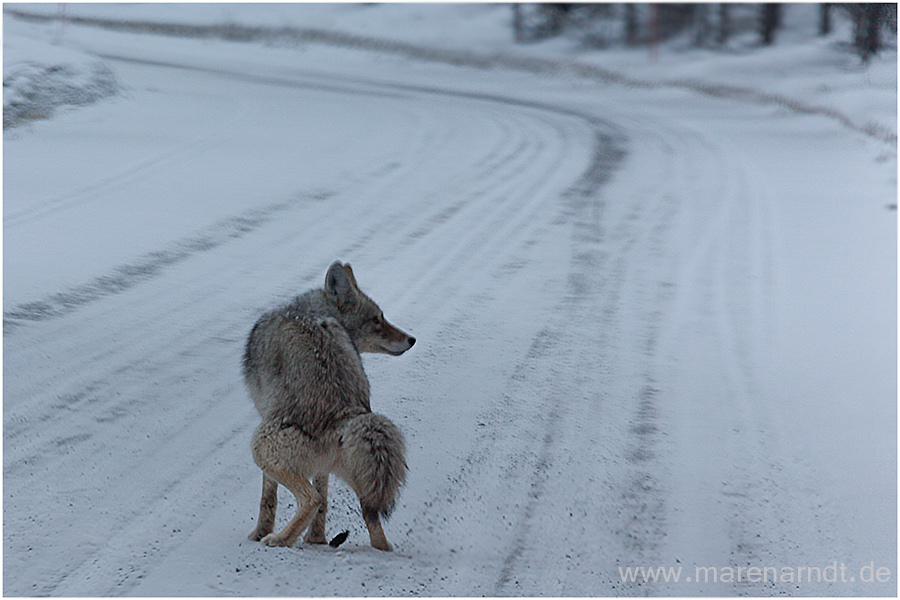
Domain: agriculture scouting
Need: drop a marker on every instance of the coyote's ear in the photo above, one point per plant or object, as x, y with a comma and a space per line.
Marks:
349, 273
338, 286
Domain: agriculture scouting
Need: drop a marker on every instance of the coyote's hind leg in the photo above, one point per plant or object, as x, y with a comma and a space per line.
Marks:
376, 532
308, 502
281, 453
316, 533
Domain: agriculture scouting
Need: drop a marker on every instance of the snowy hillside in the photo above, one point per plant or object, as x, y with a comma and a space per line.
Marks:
655, 302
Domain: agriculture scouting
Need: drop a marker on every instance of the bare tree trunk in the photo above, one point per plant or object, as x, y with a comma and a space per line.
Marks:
873, 30
824, 18
653, 33
631, 25
557, 15
724, 24
517, 22
701, 24
867, 29
859, 25
771, 17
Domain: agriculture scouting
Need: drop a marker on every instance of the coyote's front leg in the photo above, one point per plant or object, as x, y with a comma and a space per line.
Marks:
267, 505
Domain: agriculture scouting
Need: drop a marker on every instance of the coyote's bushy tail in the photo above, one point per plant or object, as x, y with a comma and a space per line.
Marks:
374, 462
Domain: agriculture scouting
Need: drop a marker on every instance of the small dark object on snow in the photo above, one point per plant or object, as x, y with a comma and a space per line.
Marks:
339, 539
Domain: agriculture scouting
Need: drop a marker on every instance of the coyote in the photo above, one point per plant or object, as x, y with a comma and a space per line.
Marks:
303, 368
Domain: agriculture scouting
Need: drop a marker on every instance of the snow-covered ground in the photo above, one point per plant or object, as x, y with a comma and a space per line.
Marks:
655, 302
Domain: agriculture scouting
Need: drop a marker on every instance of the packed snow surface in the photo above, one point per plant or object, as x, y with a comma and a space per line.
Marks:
655, 302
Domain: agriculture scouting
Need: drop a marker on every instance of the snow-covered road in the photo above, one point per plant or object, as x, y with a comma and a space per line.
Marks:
654, 329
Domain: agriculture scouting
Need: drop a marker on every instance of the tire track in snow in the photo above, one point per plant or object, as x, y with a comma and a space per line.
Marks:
761, 508
151, 265
583, 208
730, 503
609, 252
123, 178
634, 263
645, 301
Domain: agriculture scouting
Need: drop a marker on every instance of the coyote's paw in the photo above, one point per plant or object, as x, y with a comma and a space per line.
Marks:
274, 540
315, 539
258, 534
383, 545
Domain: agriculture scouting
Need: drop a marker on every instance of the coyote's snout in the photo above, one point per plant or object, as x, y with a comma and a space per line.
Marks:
303, 368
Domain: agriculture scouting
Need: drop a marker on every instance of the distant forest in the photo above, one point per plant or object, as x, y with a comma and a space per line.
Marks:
706, 25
